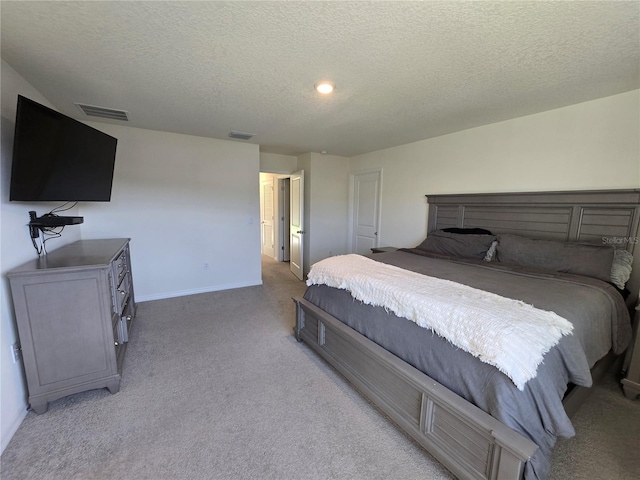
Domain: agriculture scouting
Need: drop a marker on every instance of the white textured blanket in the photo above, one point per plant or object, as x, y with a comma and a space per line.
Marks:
508, 334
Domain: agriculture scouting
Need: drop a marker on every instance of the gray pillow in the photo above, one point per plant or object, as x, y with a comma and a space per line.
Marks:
457, 245
577, 258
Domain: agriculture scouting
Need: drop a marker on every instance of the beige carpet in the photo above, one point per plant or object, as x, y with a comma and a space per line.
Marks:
215, 387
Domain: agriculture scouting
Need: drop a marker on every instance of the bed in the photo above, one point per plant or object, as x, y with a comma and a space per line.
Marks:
478, 424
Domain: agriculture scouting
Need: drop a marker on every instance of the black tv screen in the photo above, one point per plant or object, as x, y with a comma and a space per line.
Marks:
57, 158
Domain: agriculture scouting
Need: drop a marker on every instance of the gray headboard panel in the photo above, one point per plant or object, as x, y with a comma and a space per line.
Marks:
605, 216
600, 216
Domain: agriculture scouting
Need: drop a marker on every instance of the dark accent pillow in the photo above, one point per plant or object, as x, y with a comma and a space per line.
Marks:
457, 245
622, 291
467, 231
590, 260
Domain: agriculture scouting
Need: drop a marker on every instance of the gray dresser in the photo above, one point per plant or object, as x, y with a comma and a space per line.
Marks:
74, 309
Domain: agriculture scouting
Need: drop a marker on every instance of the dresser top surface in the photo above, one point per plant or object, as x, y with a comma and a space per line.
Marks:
83, 253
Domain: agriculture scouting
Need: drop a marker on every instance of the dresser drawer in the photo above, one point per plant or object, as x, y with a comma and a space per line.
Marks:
124, 323
121, 294
121, 267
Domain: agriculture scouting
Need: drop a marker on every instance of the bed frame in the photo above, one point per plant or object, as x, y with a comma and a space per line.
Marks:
465, 439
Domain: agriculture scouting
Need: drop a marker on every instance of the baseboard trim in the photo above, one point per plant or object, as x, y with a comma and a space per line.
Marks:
8, 434
184, 293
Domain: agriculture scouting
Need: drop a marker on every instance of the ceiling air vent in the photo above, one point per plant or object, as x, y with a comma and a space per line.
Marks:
103, 112
241, 135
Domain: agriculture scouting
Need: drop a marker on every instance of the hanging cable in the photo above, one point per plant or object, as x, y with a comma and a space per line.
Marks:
47, 233
61, 209
35, 245
50, 233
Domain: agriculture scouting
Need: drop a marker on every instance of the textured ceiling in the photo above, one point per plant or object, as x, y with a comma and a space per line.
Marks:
404, 71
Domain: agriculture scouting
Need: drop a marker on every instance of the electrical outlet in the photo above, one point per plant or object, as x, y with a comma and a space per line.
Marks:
15, 349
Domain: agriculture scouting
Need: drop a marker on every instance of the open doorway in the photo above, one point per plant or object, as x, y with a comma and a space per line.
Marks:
282, 218
275, 208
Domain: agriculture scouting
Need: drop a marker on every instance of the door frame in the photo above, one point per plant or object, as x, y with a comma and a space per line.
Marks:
352, 199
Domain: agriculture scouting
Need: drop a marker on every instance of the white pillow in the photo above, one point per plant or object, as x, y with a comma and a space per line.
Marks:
621, 267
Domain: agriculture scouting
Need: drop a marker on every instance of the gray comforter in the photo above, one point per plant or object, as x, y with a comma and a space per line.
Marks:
596, 310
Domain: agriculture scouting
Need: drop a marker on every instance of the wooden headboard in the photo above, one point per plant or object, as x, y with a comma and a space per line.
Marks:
600, 216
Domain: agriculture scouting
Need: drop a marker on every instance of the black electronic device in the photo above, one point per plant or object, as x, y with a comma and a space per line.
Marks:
57, 158
50, 220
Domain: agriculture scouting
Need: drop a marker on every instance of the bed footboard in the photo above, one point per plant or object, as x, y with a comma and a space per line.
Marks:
465, 439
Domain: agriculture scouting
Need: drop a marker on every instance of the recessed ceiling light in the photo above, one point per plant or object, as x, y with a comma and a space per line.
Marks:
324, 87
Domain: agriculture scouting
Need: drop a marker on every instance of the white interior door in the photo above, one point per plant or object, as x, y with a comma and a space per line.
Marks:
266, 217
296, 228
366, 211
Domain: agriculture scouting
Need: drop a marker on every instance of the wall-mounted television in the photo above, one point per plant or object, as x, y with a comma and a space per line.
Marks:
57, 158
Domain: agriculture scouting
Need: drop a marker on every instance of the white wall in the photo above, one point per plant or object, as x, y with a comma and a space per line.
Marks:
274, 163
185, 201
592, 145
326, 192
329, 199
15, 249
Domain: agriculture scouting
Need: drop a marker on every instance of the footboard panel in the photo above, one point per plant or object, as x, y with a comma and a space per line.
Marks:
468, 441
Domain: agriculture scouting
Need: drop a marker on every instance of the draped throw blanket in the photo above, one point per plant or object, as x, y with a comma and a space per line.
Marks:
506, 333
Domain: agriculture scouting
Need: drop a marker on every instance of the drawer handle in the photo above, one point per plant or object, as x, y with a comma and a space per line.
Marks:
122, 292
128, 318
116, 344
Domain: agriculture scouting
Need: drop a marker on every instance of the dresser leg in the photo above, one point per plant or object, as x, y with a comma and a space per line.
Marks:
40, 408
630, 393
114, 387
